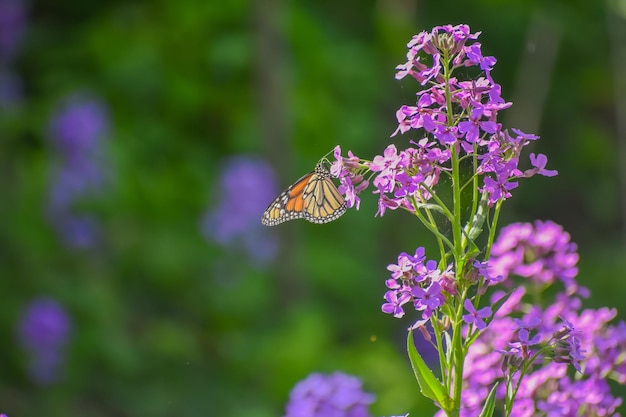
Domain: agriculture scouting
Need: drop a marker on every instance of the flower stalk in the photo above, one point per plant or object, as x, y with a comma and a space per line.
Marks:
483, 301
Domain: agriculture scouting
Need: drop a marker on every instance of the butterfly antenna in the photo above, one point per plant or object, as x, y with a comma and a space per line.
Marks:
325, 159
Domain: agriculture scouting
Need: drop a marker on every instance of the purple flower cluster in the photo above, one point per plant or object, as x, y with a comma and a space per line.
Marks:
402, 176
526, 337
458, 118
12, 29
557, 333
43, 332
347, 170
245, 187
333, 395
76, 131
419, 282
541, 252
10, 88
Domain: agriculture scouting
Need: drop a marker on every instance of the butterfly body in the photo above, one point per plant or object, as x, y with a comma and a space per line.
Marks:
314, 198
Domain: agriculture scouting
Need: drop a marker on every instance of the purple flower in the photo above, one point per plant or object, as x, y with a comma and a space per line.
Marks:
12, 28
456, 119
10, 89
405, 119
395, 300
427, 299
333, 395
474, 125
408, 178
348, 171
446, 135
77, 129
417, 280
80, 231
474, 316
539, 162
245, 188
407, 184
450, 38
567, 335
475, 56
78, 126
407, 265
569, 350
541, 252
524, 327
485, 272
43, 332
386, 163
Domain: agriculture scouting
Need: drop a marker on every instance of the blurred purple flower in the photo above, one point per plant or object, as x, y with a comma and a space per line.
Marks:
334, 395
540, 252
543, 255
43, 331
79, 230
10, 89
246, 186
12, 28
77, 127
76, 131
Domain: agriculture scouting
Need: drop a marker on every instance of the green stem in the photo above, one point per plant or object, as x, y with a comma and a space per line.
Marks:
457, 343
445, 210
432, 227
440, 350
492, 229
509, 401
442, 249
475, 186
458, 356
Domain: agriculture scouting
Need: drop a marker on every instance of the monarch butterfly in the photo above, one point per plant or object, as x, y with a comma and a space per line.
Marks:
313, 197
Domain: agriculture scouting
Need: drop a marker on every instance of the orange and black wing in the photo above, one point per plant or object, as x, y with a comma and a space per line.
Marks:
313, 197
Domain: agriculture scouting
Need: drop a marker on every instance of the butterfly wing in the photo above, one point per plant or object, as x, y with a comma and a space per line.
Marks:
313, 197
322, 201
288, 205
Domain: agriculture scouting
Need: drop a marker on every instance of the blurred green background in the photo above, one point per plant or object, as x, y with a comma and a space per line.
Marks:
158, 316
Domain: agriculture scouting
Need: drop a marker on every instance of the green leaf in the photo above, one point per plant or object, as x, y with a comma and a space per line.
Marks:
474, 227
494, 309
430, 386
435, 207
490, 404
